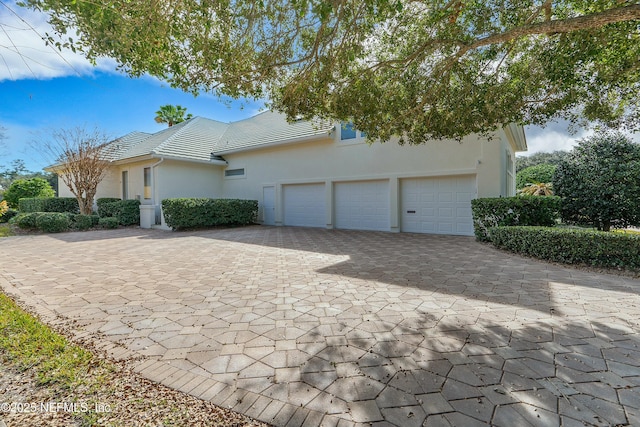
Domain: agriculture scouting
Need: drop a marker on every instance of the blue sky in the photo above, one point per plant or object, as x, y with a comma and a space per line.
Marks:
114, 103
42, 89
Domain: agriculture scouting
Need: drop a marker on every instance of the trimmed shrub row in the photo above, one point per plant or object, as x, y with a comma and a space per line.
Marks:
513, 211
126, 211
200, 213
49, 204
56, 222
571, 246
101, 202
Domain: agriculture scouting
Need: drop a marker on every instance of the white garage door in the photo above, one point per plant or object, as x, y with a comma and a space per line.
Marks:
304, 205
362, 205
439, 205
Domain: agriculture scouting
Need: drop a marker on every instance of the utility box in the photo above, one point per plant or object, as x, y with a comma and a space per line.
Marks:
147, 216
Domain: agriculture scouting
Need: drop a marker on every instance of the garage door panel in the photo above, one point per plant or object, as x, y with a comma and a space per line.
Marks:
440, 205
362, 205
304, 205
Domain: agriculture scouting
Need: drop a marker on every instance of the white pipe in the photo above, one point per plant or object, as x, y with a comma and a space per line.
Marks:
153, 180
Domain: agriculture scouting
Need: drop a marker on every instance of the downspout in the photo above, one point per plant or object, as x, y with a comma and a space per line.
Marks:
153, 180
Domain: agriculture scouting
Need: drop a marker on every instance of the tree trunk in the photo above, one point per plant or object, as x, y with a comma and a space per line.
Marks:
606, 225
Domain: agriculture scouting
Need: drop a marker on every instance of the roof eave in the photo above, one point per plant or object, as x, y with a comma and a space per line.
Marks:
515, 135
315, 137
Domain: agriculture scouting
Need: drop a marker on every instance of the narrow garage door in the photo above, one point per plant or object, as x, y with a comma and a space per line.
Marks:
439, 205
362, 205
304, 205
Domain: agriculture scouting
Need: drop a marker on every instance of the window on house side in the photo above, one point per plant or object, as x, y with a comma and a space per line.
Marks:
147, 183
347, 131
125, 185
234, 172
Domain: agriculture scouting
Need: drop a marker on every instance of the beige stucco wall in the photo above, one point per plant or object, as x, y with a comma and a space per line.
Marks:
180, 179
332, 160
342, 160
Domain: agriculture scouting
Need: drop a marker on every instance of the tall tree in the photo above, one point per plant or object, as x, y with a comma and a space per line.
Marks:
171, 115
80, 161
421, 69
599, 182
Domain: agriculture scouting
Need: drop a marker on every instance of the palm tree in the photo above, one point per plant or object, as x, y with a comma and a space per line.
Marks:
171, 115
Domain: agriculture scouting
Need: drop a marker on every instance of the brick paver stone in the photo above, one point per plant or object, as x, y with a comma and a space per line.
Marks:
311, 327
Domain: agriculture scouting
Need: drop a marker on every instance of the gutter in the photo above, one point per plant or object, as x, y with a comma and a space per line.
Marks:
515, 135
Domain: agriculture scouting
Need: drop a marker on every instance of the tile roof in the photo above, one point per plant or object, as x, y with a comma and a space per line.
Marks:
116, 148
202, 139
267, 128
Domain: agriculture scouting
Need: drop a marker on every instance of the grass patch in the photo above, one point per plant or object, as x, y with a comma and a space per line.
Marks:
28, 344
38, 365
5, 230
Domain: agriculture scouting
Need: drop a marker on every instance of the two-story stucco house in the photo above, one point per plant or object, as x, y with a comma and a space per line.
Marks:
314, 174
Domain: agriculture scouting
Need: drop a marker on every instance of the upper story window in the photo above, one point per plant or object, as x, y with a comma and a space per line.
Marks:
349, 132
234, 172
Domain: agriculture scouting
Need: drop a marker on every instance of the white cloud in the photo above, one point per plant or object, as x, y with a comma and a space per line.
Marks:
25, 55
553, 137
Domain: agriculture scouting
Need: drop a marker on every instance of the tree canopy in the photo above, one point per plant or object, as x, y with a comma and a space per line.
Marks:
599, 182
419, 69
171, 114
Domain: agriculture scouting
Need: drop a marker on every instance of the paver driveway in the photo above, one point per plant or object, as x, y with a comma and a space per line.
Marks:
313, 327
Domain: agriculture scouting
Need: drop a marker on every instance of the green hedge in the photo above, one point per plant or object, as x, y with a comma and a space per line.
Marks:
571, 246
82, 222
49, 204
53, 222
513, 211
108, 222
198, 213
127, 211
26, 220
103, 210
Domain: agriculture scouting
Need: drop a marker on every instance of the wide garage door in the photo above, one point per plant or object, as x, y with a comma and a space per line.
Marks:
304, 205
439, 205
362, 205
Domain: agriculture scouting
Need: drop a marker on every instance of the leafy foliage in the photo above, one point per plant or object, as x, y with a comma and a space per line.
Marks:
102, 202
108, 222
571, 246
553, 158
49, 204
127, 211
25, 188
26, 221
82, 222
420, 70
599, 182
18, 170
172, 115
540, 173
53, 222
512, 211
3, 207
537, 189
198, 212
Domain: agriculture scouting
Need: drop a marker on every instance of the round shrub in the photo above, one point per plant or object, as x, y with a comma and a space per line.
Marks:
25, 188
82, 222
94, 219
109, 222
26, 220
535, 174
53, 222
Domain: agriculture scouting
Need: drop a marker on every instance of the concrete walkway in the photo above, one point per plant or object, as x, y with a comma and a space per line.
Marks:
310, 327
